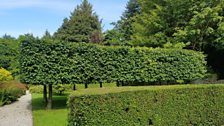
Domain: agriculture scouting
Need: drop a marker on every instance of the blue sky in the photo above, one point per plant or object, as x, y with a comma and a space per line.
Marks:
35, 16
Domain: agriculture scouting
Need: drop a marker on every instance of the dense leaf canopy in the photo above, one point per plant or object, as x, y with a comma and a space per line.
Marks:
70, 63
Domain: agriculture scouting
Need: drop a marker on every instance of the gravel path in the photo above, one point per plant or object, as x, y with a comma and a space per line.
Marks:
18, 113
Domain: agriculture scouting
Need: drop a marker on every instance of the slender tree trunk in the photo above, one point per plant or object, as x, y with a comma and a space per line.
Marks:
45, 93
74, 87
86, 86
101, 84
118, 84
49, 104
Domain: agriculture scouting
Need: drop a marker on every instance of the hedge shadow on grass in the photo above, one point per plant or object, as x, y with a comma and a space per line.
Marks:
59, 102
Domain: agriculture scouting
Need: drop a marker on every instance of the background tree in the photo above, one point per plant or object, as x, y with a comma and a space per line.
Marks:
47, 35
82, 26
122, 31
9, 54
124, 24
198, 22
176, 21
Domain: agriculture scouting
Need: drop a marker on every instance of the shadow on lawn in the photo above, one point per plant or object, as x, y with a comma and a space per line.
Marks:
59, 102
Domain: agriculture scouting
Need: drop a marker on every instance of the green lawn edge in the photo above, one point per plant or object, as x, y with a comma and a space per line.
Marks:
106, 90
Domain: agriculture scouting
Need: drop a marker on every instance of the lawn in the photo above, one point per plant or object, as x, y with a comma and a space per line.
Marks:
55, 117
58, 115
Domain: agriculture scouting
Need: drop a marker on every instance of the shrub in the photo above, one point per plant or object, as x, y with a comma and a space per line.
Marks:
36, 89
10, 91
5, 75
70, 63
140, 106
59, 89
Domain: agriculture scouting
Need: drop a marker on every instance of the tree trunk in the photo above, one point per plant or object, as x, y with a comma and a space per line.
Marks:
118, 84
74, 87
45, 93
49, 104
122, 83
86, 86
101, 84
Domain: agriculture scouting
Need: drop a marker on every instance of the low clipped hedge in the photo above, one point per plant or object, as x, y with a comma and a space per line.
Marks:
71, 63
141, 106
10, 91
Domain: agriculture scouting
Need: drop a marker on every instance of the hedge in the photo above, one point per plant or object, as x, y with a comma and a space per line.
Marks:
158, 106
72, 63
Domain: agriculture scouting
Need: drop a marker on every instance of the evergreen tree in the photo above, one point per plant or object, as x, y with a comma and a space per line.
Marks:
122, 31
124, 25
82, 26
47, 35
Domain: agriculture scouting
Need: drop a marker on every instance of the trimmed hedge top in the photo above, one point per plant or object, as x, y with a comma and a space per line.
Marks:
185, 105
70, 63
115, 90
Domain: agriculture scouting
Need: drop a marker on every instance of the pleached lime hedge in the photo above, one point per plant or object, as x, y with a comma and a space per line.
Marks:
185, 105
69, 63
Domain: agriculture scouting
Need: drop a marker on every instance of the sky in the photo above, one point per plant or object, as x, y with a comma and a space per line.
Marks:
18, 17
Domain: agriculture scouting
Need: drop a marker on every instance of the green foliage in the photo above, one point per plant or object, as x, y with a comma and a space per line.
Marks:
60, 89
72, 63
9, 54
124, 24
10, 91
122, 31
113, 37
38, 89
157, 106
179, 45
57, 89
82, 26
197, 22
5, 75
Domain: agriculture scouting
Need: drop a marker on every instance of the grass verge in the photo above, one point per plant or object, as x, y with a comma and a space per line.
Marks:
109, 90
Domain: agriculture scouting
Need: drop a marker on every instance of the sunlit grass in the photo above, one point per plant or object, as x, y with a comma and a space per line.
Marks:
105, 90
55, 117
58, 115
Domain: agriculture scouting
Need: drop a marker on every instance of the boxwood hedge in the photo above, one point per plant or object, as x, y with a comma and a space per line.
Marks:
69, 63
194, 105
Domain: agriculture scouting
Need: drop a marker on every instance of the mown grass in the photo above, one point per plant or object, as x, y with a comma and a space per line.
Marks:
55, 117
94, 86
105, 90
58, 115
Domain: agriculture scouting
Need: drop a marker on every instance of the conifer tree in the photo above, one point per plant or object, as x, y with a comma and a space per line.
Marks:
122, 31
82, 26
124, 25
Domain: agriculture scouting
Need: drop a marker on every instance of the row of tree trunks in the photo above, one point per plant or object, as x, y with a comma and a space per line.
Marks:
48, 100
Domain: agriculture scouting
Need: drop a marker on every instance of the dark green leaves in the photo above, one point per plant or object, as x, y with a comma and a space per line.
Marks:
68, 63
